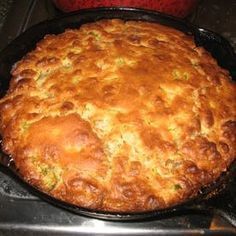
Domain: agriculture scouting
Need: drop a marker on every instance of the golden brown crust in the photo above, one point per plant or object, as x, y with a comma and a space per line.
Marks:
120, 116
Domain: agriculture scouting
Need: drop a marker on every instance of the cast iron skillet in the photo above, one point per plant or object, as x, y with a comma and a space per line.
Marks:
215, 44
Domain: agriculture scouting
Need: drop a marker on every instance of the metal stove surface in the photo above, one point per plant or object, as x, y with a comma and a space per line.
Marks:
24, 214
21, 213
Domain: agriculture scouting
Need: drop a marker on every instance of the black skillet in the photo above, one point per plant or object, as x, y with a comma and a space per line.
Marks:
223, 188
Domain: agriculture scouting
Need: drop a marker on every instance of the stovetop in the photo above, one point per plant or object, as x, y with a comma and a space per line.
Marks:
22, 213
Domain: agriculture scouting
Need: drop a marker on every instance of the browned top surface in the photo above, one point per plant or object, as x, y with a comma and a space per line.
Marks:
120, 116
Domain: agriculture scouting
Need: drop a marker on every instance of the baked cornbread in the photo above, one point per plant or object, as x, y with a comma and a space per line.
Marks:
119, 116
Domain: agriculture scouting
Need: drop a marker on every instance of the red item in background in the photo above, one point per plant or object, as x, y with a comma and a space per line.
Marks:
179, 8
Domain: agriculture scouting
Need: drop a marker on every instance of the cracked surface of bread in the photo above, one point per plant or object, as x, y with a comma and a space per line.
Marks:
119, 116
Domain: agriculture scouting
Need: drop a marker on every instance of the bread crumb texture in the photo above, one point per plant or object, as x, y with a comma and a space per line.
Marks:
119, 116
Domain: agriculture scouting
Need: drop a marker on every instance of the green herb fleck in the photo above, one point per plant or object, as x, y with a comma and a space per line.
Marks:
171, 129
51, 175
177, 186
24, 126
120, 61
177, 75
44, 170
75, 80
95, 35
155, 171
185, 76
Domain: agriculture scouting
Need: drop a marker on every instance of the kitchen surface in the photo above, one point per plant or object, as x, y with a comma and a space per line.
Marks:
22, 213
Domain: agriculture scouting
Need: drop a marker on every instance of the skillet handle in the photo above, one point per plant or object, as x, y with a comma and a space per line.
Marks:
223, 204
225, 211
228, 215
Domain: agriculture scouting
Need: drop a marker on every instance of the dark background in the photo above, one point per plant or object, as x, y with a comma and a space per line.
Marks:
216, 15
